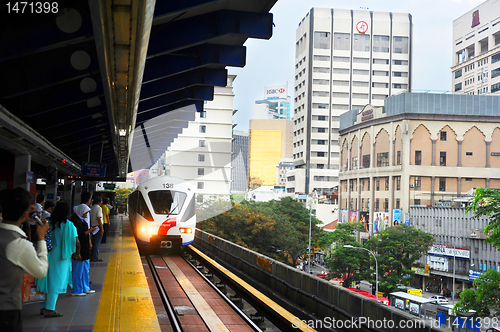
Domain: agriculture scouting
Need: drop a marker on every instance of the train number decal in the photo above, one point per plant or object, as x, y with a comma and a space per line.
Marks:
168, 185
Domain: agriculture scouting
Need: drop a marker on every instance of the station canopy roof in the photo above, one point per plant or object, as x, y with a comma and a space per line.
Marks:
95, 80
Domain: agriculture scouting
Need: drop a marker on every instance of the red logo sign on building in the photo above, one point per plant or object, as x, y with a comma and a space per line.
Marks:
281, 90
362, 26
475, 18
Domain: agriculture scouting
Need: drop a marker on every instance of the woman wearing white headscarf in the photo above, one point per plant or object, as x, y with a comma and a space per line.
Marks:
81, 263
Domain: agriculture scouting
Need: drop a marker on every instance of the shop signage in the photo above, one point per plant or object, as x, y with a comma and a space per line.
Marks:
367, 115
449, 252
420, 270
473, 274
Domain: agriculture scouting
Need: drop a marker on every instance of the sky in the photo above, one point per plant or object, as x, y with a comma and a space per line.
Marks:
271, 62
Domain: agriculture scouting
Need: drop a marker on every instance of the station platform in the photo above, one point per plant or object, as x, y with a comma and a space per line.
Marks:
122, 301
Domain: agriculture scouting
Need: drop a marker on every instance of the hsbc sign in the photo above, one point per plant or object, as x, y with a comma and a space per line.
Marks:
275, 92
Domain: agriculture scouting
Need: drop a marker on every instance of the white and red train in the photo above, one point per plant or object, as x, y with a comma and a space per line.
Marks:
162, 212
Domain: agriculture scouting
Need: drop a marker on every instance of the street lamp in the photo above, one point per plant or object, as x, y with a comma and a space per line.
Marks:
454, 254
376, 266
314, 195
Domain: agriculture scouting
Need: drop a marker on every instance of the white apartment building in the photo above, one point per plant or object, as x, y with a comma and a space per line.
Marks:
476, 50
202, 153
345, 59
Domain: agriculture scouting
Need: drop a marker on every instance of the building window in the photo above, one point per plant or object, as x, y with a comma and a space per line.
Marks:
383, 159
468, 153
458, 86
378, 184
320, 154
361, 43
321, 57
398, 158
200, 185
458, 73
495, 72
381, 44
322, 40
201, 157
201, 171
398, 183
203, 129
442, 184
203, 114
386, 205
366, 161
442, 158
342, 41
387, 183
377, 204
416, 201
442, 136
417, 183
418, 157
398, 203
201, 143
400, 45
468, 179
354, 163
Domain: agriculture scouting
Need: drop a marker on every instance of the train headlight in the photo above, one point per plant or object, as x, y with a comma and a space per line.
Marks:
186, 230
143, 229
150, 230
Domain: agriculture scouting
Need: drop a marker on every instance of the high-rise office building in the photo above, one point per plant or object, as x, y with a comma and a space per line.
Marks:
201, 154
476, 50
275, 105
344, 59
239, 169
270, 140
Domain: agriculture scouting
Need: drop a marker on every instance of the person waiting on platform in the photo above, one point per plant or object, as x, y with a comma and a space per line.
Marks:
96, 220
105, 218
64, 244
81, 265
17, 254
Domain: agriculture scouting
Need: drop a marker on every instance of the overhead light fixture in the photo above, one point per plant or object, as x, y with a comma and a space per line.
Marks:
122, 132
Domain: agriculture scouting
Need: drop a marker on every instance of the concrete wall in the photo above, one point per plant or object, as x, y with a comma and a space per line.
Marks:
315, 295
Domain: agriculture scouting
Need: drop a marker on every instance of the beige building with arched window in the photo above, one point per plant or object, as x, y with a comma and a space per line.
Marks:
419, 149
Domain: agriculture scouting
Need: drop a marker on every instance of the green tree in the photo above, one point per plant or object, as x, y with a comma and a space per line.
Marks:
398, 249
486, 202
122, 198
485, 297
345, 262
279, 229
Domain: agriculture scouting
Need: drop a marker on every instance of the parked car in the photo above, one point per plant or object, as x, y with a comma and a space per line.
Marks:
439, 299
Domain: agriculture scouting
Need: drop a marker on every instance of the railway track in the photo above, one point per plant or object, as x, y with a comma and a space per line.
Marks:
193, 300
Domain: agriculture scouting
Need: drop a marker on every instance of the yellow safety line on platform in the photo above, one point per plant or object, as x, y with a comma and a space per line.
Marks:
212, 321
295, 323
126, 303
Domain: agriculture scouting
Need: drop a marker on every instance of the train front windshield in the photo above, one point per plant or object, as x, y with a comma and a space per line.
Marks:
167, 201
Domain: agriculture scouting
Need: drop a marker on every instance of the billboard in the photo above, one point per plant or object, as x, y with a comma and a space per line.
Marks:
396, 213
353, 215
380, 221
364, 218
275, 92
344, 216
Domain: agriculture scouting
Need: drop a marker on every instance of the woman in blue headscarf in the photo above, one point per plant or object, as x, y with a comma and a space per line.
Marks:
64, 244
